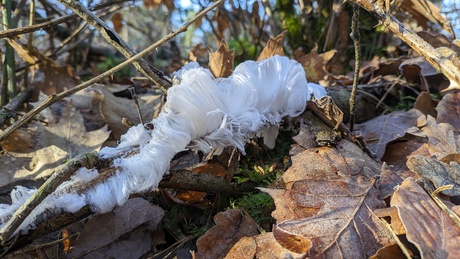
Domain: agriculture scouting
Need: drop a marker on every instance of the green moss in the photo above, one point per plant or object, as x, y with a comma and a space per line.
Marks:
111, 62
258, 205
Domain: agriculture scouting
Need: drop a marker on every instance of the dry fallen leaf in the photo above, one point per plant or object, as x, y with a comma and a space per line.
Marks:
67, 131
64, 137
327, 110
391, 177
425, 104
424, 13
328, 201
124, 233
437, 172
57, 78
443, 138
29, 56
449, 109
221, 61
261, 246
436, 40
117, 21
429, 228
328, 163
199, 54
343, 213
231, 226
114, 109
384, 129
313, 64
396, 154
274, 47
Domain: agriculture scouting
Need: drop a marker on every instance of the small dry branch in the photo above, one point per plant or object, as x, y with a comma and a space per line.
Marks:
61, 174
54, 98
432, 55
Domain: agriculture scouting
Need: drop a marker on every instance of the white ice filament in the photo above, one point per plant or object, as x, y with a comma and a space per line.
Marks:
201, 112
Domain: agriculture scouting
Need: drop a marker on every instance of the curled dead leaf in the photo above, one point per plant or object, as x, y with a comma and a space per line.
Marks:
231, 226
429, 228
314, 64
274, 47
221, 61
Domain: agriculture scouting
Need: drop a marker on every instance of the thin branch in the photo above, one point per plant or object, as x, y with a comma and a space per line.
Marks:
14, 105
52, 23
62, 174
115, 40
63, 44
356, 43
434, 57
188, 180
132, 90
53, 98
9, 71
17, 12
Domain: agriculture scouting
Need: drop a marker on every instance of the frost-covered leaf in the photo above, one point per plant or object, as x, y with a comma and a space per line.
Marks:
384, 129
221, 61
437, 172
428, 227
328, 201
231, 226
443, 138
260, 246
102, 236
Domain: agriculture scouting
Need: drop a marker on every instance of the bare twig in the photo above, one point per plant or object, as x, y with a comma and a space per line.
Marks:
9, 71
5, 113
64, 43
61, 174
56, 97
52, 23
17, 12
188, 180
356, 39
136, 102
115, 40
433, 56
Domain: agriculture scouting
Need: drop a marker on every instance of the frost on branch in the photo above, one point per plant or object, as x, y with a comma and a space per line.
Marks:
201, 112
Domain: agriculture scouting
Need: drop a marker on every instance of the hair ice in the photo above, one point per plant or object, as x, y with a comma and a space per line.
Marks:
200, 112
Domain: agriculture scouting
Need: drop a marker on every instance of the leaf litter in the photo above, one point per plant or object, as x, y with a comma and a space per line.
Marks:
333, 200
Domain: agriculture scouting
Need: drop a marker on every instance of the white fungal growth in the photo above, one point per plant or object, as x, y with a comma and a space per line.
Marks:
201, 112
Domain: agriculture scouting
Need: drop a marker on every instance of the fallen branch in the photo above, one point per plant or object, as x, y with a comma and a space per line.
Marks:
52, 23
14, 105
54, 98
115, 40
433, 56
59, 176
